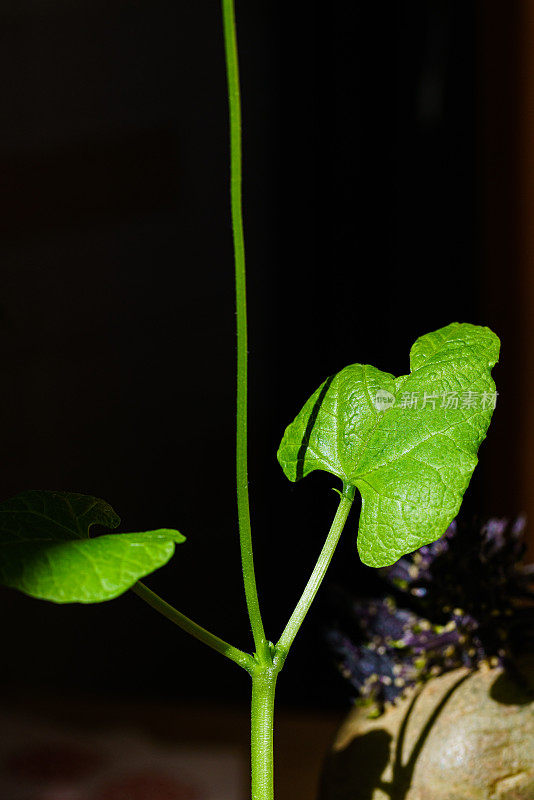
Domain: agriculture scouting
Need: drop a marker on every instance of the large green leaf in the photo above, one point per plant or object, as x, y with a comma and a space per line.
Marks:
408, 444
46, 551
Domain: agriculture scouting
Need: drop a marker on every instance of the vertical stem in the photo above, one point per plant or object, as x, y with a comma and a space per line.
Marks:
262, 715
243, 507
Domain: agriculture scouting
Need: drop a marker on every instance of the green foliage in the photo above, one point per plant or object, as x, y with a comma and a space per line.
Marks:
47, 552
411, 448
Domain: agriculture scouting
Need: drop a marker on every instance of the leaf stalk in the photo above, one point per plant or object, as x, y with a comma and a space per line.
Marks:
241, 658
316, 578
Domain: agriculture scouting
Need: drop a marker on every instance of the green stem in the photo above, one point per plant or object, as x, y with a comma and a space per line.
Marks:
243, 506
312, 587
233, 653
262, 716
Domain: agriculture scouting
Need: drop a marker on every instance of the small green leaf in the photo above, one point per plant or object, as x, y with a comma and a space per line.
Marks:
46, 550
408, 444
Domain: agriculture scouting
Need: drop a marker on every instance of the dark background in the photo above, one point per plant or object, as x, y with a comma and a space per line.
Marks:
366, 179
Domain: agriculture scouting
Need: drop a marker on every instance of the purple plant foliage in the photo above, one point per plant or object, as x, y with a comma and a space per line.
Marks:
465, 600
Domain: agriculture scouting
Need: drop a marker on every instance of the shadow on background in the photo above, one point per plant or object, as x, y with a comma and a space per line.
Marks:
356, 771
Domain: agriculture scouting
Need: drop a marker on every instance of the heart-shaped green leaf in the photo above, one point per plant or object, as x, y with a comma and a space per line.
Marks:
46, 551
408, 444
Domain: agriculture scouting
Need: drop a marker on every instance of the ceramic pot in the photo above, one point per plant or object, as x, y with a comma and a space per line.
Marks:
463, 736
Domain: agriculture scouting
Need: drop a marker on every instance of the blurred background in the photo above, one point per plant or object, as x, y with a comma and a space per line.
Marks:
389, 190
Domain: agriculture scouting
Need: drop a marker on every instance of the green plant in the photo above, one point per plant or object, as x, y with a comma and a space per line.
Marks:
408, 444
